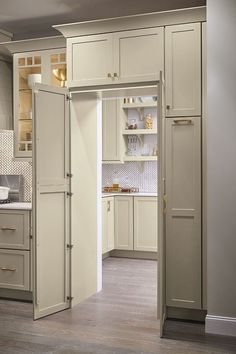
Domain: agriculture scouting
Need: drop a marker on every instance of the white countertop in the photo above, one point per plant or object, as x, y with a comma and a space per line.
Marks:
137, 194
17, 206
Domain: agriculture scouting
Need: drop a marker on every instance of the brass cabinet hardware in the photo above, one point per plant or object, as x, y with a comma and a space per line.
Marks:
68, 98
8, 269
115, 75
69, 298
188, 121
109, 206
4, 228
69, 194
109, 75
69, 175
167, 106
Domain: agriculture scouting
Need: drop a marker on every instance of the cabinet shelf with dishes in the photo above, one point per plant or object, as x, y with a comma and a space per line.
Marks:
140, 129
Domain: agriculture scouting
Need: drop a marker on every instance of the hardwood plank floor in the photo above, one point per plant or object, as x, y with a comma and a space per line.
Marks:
119, 320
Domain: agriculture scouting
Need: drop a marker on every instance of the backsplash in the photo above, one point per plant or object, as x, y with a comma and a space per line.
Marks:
133, 174
9, 165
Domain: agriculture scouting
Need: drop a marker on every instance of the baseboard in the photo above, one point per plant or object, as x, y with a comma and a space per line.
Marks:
225, 326
186, 314
16, 295
134, 254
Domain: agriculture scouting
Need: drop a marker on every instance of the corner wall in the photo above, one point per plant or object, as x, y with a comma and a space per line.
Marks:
221, 170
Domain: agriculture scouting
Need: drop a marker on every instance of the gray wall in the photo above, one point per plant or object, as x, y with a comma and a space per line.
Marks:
221, 145
5, 95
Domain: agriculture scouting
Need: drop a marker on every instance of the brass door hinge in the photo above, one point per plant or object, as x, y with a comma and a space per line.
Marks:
69, 194
68, 98
69, 175
69, 246
69, 298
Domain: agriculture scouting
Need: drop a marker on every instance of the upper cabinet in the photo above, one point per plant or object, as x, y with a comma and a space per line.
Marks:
30, 68
121, 57
183, 70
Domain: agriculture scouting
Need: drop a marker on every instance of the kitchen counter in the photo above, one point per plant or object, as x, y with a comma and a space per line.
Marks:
136, 194
17, 206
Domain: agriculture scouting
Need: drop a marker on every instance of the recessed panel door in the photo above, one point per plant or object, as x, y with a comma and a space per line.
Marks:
51, 201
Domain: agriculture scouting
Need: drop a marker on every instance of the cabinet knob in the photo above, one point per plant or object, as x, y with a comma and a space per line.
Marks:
115, 75
109, 75
167, 106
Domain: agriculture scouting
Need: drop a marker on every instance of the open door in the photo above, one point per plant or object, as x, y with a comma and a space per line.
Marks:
51, 200
161, 206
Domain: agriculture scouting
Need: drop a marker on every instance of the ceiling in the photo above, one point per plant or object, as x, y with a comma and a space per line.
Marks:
31, 18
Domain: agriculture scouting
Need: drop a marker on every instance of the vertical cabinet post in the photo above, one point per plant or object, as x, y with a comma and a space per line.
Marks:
124, 236
183, 214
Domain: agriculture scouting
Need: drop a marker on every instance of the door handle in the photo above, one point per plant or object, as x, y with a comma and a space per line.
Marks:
187, 121
4, 228
164, 204
8, 269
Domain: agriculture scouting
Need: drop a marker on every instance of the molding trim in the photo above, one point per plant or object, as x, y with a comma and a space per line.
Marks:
221, 325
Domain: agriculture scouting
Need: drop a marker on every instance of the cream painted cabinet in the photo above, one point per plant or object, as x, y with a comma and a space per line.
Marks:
108, 227
183, 213
145, 224
111, 131
138, 55
183, 70
124, 228
15, 252
121, 57
30, 66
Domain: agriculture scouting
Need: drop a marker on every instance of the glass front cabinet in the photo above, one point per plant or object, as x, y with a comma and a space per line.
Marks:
47, 67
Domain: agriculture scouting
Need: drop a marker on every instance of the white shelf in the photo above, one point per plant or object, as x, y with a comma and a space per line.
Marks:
139, 131
151, 104
140, 158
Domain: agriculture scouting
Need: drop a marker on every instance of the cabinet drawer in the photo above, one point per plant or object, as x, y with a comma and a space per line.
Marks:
14, 269
14, 230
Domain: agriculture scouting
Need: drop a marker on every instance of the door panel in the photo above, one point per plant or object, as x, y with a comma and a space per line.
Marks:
145, 224
138, 55
124, 237
183, 228
90, 60
50, 200
183, 70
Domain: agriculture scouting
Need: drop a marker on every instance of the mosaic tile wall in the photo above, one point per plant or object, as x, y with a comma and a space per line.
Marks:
132, 174
9, 165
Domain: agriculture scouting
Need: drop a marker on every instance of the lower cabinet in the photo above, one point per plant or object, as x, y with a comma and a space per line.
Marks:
145, 224
136, 223
15, 254
107, 224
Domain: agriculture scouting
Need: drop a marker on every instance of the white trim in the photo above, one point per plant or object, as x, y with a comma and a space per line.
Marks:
221, 325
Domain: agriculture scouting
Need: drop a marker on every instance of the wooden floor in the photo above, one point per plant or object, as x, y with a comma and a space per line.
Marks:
119, 320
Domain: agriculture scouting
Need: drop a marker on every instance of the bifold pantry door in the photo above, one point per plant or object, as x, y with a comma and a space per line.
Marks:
51, 201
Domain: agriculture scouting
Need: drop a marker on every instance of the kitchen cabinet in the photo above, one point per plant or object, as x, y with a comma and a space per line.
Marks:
108, 227
111, 132
121, 57
136, 223
41, 63
183, 70
124, 224
145, 224
15, 250
183, 212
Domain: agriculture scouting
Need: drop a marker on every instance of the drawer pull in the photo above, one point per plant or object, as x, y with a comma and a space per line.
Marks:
187, 121
8, 269
8, 228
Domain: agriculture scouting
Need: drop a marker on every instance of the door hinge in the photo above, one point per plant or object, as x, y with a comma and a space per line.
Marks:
69, 298
69, 175
69, 246
69, 194
68, 98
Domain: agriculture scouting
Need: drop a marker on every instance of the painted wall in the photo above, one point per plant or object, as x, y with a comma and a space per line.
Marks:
5, 95
221, 171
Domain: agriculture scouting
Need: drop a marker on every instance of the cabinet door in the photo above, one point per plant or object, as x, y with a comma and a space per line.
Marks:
90, 60
183, 214
145, 224
138, 55
183, 70
110, 224
104, 225
111, 131
124, 239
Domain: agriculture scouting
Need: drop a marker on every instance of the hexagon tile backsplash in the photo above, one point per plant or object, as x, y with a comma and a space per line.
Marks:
9, 165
